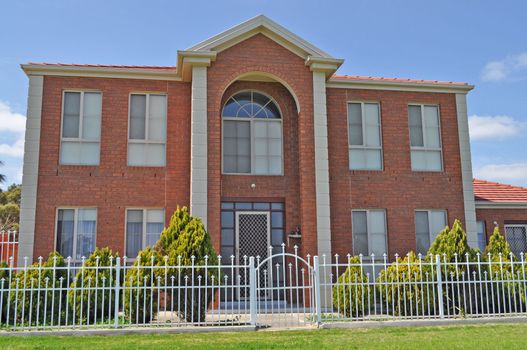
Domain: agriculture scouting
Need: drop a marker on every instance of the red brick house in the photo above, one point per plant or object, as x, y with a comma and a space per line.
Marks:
258, 135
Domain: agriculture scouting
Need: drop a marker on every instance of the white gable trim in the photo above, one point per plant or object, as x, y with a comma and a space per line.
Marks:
264, 25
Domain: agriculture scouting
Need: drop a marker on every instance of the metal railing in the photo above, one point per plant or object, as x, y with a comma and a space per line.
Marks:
281, 289
8, 245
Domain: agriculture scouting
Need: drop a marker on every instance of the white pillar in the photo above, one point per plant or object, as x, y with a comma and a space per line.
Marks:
321, 164
466, 170
28, 205
198, 148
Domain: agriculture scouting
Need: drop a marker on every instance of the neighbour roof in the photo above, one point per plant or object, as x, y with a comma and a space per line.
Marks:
496, 192
393, 80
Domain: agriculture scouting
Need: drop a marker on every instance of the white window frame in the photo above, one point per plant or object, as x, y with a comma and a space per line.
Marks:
368, 225
144, 210
75, 221
146, 141
423, 127
363, 146
81, 123
429, 213
251, 128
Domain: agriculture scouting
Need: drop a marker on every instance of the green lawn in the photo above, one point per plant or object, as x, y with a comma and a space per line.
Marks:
500, 336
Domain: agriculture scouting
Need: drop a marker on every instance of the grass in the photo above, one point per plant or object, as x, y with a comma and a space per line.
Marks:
490, 336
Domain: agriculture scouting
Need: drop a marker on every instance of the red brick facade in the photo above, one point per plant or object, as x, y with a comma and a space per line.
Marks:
113, 186
501, 217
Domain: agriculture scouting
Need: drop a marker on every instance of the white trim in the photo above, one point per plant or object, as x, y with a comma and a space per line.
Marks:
198, 144
320, 126
368, 221
258, 24
144, 211
75, 221
431, 235
251, 121
80, 140
363, 146
425, 148
343, 83
466, 170
500, 205
28, 205
146, 140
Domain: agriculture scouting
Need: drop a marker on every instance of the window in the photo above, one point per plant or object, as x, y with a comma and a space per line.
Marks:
425, 139
81, 128
369, 232
364, 136
516, 236
252, 135
428, 224
147, 130
143, 228
76, 230
482, 236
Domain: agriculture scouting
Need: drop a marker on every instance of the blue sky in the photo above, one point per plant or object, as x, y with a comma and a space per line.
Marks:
480, 42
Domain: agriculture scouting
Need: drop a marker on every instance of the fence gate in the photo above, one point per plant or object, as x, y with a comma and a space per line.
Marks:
285, 291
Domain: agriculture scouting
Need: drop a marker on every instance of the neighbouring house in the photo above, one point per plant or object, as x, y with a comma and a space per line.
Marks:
258, 135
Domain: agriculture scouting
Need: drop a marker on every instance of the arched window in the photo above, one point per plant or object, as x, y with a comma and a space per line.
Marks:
252, 135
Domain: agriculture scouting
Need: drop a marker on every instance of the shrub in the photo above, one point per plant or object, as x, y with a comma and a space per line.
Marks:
140, 295
4, 285
91, 295
349, 293
451, 242
38, 297
401, 287
186, 242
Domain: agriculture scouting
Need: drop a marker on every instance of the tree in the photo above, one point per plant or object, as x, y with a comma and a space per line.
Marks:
2, 176
9, 217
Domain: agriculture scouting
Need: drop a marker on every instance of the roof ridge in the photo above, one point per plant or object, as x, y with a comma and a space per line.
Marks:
369, 77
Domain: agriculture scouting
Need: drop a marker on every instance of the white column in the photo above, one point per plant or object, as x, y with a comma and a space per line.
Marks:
198, 149
466, 170
321, 164
28, 205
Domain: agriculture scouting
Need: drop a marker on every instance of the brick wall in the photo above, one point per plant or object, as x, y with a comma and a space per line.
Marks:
112, 186
397, 188
501, 217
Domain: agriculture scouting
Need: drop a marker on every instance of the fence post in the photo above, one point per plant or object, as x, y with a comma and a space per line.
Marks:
252, 290
439, 287
116, 291
317, 289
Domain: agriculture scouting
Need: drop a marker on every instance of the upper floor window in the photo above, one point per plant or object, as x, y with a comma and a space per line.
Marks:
143, 228
147, 130
364, 136
428, 224
369, 232
76, 230
81, 128
252, 135
425, 139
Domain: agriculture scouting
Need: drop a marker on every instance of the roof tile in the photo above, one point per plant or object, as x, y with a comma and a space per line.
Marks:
496, 192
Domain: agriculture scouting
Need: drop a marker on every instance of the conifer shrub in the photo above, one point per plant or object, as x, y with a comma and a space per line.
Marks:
41, 289
4, 285
350, 293
91, 293
406, 286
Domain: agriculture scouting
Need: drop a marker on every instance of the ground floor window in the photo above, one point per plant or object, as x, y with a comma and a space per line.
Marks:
76, 231
143, 228
482, 236
516, 235
428, 224
369, 232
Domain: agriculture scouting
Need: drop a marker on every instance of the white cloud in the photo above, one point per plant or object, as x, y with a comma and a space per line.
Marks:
507, 173
503, 69
13, 125
494, 127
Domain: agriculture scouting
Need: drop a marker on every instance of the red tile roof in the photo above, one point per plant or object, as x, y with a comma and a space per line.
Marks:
496, 192
395, 80
99, 66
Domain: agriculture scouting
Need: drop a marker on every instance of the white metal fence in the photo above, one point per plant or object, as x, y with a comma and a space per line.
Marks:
8, 245
281, 289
